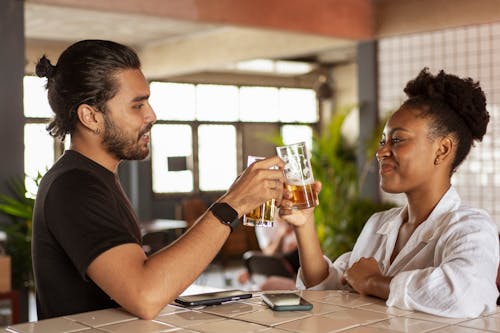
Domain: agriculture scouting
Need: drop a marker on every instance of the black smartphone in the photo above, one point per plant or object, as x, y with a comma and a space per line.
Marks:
286, 302
213, 298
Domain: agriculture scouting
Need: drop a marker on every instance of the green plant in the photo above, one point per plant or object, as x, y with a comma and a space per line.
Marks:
18, 207
342, 211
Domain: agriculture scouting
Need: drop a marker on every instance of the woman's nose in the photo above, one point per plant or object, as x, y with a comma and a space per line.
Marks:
382, 151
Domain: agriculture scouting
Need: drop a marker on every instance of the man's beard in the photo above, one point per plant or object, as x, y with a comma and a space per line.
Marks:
119, 144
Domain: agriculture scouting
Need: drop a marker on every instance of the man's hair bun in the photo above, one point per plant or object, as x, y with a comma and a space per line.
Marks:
44, 68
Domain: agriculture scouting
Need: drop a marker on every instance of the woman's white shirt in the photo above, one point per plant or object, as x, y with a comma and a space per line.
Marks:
448, 267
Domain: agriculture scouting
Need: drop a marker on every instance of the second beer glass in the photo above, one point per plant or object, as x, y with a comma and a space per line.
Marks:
264, 215
299, 175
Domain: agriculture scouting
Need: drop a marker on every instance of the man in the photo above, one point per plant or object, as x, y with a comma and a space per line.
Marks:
87, 251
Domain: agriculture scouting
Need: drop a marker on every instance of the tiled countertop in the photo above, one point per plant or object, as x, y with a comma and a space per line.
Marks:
333, 311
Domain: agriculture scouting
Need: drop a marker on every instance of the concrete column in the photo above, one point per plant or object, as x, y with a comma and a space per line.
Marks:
368, 114
11, 91
12, 61
135, 177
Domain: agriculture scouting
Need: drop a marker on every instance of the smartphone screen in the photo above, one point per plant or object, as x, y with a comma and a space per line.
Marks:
213, 298
286, 302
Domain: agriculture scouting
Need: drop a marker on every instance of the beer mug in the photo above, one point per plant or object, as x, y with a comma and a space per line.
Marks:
299, 175
264, 215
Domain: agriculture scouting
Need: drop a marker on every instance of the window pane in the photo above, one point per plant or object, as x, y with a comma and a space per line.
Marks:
38, 153
217, 102
217, 156
173, 101
297, 133
298, 105
36, 103
259, 104
168, 141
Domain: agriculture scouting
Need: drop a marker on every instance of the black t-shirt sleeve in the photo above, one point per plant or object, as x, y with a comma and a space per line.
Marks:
83, 217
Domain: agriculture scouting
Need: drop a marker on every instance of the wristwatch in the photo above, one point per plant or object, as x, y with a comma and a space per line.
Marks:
226, 214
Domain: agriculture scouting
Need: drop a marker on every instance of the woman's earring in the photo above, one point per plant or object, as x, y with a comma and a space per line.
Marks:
97, 131
436, 161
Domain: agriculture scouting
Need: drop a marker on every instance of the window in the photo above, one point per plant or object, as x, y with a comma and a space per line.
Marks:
199, 126
39, 146
171, 141
217, 156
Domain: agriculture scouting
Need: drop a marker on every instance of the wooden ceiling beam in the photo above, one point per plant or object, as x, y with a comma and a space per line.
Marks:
350, 19
396, 17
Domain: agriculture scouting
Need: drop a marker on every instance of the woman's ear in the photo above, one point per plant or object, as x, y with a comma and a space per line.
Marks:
90, 118
445, 150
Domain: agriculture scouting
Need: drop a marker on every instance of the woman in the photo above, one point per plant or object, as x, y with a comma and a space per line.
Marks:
436, 254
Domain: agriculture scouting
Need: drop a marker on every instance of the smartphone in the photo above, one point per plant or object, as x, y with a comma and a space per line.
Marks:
213, 298
286, 302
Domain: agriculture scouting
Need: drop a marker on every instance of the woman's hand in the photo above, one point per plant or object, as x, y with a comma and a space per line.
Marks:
297, 217
365, 277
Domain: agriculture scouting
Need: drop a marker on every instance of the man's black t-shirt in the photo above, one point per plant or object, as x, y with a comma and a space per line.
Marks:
80, 212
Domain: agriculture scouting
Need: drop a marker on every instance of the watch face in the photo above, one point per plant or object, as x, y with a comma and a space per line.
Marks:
226, 214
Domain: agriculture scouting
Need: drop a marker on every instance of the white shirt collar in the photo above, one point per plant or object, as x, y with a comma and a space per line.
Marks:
427, 230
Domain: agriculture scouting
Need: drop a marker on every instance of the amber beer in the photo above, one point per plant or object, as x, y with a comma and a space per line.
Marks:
303, 196
264, 215
299, 175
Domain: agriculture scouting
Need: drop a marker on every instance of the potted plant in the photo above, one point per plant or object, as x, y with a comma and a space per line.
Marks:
17, 206
342, 211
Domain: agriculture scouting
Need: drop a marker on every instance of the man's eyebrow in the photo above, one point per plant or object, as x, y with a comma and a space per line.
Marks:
140, 98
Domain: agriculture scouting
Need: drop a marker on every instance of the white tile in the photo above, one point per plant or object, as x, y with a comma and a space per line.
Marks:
361, 317
317, 324
187, 319
227, 325
232, 309
171, 309
439, 319
369, 329
350, 300
273, 330
102, 317
393, 311
491, 323
320, 308
269, 317
408, 325
134, 326
456, 329
54, 325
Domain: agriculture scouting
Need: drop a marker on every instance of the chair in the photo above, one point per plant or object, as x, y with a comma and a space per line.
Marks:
192, 209
258, 263
278, 272
14, 304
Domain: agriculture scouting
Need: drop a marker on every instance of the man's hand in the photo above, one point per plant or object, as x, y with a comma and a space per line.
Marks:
261, 181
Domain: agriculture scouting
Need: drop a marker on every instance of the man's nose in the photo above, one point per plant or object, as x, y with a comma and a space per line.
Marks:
151, 116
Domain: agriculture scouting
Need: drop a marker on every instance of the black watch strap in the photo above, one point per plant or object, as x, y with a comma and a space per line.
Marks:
226, 214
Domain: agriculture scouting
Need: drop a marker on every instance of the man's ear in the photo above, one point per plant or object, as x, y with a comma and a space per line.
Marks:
90, 118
